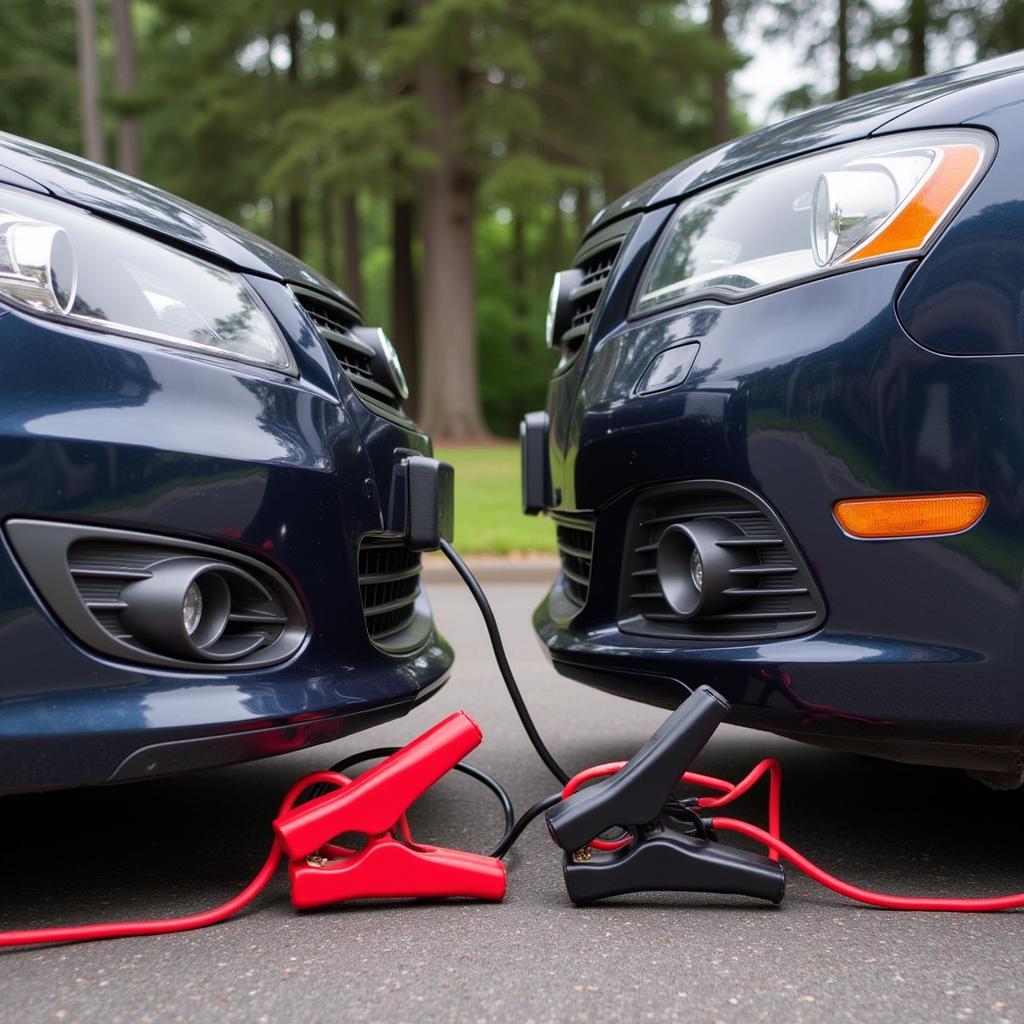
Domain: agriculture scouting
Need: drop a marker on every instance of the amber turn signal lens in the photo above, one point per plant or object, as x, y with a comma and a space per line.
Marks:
923, 515
911, 227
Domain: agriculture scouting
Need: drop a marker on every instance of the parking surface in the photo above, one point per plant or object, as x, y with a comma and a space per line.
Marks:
171, 847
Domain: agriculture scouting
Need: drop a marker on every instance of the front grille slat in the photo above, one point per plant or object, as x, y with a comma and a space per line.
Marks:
575, 539
775, 595
750, 542
762, 570
595, 263
395, 605
389, 585
357, 360
710, 513
764, 591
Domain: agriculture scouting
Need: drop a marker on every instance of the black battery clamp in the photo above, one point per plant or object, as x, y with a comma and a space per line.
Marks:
671, 849
666, 843
423, 502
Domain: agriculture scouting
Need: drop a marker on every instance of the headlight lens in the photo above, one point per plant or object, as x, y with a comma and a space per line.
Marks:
879, 199
61, 262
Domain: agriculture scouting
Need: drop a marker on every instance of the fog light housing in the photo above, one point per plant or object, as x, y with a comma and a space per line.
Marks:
183, 609
695, 562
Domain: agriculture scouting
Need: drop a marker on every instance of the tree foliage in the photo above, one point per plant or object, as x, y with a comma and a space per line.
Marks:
320, 125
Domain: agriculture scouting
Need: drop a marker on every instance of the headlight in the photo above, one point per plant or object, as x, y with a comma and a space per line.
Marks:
380, 346
875, 200
559, 318
62, 263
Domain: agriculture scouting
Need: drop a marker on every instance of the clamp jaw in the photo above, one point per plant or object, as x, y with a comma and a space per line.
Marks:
665, 854
374, 805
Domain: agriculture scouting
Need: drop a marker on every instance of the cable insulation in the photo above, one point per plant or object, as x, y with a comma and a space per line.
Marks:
855, 892
161, 926
502, 659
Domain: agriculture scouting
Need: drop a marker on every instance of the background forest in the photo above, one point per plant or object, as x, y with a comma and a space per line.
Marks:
440, 158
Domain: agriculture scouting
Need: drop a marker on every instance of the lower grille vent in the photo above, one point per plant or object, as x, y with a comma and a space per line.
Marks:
575, 538
389, 585
160, 600
755, 583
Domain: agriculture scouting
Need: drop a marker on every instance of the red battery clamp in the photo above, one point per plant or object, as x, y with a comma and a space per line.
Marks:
322, 872
375, 805
681, 853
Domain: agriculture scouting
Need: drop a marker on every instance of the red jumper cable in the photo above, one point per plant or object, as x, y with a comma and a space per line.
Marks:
390, 866
321, 872
777, 847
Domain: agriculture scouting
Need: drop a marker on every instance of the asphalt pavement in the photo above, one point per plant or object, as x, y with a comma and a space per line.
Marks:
174, 846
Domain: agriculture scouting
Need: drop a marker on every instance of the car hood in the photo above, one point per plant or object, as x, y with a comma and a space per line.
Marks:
125, 199
830, 125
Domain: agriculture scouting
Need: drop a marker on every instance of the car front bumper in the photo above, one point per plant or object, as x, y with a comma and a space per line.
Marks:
293, 472
917, 656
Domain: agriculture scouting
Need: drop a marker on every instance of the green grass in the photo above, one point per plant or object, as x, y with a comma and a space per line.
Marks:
488, 512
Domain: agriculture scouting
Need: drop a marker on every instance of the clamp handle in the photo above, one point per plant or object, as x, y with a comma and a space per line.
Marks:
378, 798
636, 794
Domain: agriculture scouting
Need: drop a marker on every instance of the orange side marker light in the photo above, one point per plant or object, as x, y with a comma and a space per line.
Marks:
921, 515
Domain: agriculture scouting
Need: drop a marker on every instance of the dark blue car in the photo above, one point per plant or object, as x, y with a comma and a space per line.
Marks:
204, 480
784, 444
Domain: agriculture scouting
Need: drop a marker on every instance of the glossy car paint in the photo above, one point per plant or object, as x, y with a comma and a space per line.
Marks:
900, 378
105, 430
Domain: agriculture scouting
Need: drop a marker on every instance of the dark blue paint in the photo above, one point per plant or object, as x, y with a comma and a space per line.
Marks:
968, 295
891, 379
106, 430
118, 197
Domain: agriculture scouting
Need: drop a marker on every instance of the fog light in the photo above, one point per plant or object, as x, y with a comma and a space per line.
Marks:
697, 570
695, 563
192, 607
183, 608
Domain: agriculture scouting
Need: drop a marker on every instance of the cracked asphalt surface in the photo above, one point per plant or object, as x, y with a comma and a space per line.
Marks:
176, 846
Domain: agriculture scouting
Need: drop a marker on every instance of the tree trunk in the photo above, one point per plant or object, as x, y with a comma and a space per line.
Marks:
556, 235
917, 31
278, 228
89, 81
294, 225
404, 295
327, 235
843, 46
449, 386
125, 71
352, 241
720, 129
294, 215
520, 298
582, 209
403, 292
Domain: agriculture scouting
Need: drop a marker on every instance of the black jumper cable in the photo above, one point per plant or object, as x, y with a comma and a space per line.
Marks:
664, 842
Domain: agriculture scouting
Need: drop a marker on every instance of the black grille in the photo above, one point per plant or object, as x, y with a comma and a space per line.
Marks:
596, 267
774, 593
575, 538
389, 583
358, 361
